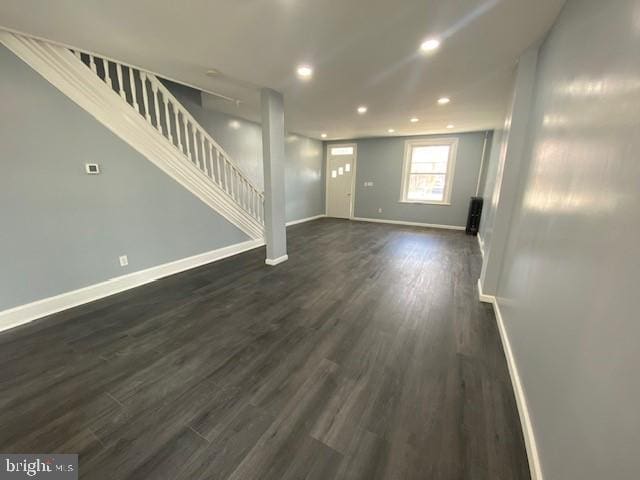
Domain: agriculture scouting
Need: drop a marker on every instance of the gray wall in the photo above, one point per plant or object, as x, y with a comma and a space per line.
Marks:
568, 287
242, 140
62, 229
380, 161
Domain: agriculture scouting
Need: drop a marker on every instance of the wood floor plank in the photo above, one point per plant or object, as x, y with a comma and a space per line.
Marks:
366, 356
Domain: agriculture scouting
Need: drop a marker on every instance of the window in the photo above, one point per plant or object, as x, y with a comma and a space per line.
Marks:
427, 174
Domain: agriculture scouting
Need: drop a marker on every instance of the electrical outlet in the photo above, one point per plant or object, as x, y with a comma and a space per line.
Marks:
92, 168
124, 261
379, 210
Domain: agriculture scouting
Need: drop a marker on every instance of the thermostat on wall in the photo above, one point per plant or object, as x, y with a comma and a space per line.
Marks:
92, 168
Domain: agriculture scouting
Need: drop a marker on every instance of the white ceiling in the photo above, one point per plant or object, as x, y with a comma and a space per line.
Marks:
362, 51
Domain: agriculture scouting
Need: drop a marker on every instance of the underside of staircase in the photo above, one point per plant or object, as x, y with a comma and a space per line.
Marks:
139, 109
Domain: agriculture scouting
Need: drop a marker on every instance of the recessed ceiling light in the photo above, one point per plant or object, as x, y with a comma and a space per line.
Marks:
444, 100
391, 130
362, 109
304, 71
323, 135
414, 119
450, 125
212, 72
430, 45
234, 124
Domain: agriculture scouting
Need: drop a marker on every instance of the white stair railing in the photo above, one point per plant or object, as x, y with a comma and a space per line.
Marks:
154, 102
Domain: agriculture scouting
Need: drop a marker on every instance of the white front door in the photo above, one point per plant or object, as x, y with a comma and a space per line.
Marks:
340, 171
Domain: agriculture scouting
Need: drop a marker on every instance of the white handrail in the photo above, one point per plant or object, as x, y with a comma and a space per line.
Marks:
194, 143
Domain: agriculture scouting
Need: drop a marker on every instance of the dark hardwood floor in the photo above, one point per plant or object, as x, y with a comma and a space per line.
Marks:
366, 356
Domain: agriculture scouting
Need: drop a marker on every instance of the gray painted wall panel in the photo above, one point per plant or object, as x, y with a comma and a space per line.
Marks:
380, 161
569, 283
62, 229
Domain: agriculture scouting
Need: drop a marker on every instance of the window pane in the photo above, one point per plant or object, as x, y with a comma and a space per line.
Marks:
334, 173
347, 167
426, 187
342, 151
340, 171
430, 159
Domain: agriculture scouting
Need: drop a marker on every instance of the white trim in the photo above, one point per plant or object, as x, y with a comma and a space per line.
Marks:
302, 220
483, 297
353, 177
452, 142
276, 261
47, 306
64, 71
411, 224
518, 390
481, 244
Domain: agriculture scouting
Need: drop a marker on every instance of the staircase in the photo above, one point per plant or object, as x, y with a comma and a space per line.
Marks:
138, 108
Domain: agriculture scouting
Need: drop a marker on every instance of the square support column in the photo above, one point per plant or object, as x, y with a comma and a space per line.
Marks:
273, 165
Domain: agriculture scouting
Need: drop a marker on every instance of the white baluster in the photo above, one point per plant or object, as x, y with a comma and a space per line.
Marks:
166, 116
154, 89
107, 76
177, 119
78, 54
92, 64
132, 84
241, 192
211, 169
260, 208
186, 136
120, 85
145, 96
218, 167
233, 181
226, 176
204, 153
253, 201
195, 145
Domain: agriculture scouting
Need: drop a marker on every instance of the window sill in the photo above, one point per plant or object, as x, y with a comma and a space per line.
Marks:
418, 202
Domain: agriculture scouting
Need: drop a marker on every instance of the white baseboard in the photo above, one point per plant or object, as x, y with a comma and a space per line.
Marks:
483, 297
518, 390
47, 306
302, 220
276, 261
411, 224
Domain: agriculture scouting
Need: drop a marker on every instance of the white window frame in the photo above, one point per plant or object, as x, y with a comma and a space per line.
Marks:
409, 145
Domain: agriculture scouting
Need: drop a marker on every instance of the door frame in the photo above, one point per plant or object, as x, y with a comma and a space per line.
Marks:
353, 177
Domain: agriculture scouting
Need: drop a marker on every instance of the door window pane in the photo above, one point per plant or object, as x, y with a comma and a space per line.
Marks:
341, 150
